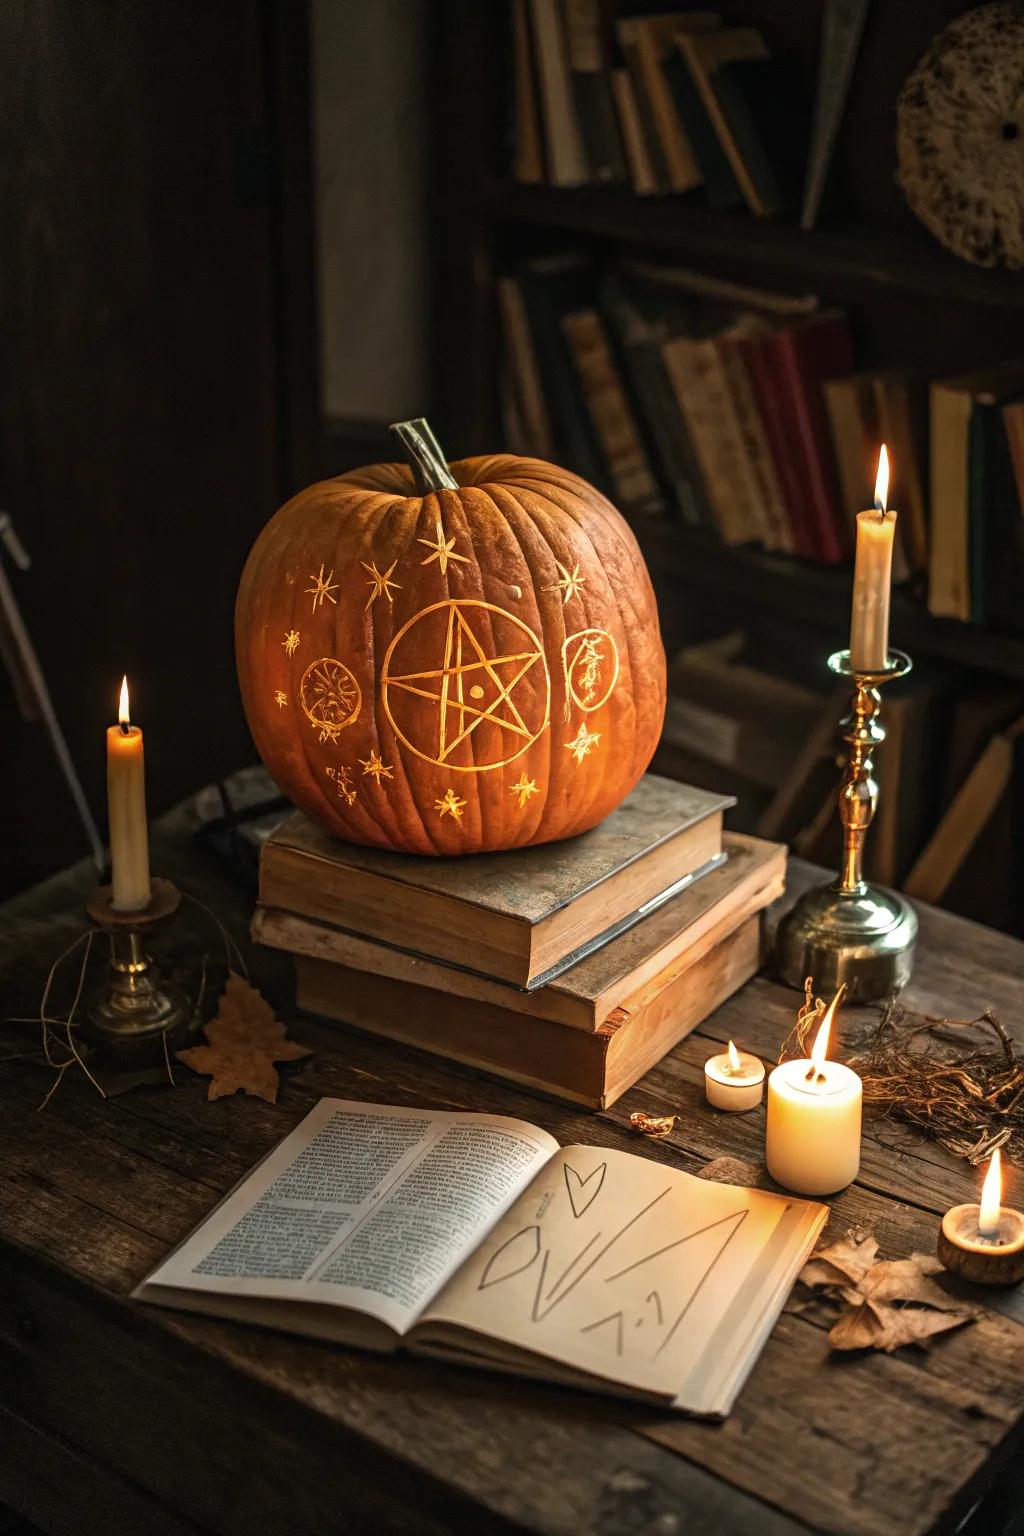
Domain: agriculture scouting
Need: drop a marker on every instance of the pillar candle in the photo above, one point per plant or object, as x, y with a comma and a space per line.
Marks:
813, 1122
872, 578
126, 806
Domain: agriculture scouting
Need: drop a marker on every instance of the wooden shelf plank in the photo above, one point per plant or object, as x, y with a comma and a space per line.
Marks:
903, 260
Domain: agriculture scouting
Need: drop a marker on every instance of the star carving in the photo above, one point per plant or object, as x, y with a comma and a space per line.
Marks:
524, 789
583, 742
373, 766
441, 549
280, 698
291, 639
450, 805
322, 588
380, 582
568, 583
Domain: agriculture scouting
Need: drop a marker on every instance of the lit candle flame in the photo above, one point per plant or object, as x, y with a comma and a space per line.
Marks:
734, 1058
123, 717
991, 1197
819, 1050
882, 482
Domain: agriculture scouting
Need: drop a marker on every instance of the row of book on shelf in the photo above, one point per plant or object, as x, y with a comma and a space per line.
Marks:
740, 411
750, 713
664, 103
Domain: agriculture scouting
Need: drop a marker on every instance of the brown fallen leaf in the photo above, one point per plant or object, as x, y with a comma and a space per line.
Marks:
849, 1259
655, 1126
245, 1040
886, 1303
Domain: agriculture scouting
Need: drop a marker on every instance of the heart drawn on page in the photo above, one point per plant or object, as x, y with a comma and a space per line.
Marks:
581, 1194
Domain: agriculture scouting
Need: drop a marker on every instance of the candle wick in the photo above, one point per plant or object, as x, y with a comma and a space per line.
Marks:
125, 728
809, 1074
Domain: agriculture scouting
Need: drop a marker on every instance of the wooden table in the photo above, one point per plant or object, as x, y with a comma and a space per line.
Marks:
118, 1418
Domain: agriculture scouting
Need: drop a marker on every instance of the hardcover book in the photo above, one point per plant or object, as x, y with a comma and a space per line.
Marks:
520, 916
476, 1238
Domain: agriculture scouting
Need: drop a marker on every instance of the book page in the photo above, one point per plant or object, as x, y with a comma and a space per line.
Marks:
364, 1206
620, 1267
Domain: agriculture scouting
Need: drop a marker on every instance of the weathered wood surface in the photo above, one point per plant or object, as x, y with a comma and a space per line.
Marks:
226, 1428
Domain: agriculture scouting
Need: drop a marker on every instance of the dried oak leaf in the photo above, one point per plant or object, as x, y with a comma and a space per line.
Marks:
848, 1260
245, 1040
879, 1325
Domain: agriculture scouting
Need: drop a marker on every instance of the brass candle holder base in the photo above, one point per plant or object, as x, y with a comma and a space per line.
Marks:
136, 1017
851, 931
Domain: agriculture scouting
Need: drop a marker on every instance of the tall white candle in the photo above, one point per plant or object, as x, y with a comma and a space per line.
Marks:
814, 1120
872, 579
126, 807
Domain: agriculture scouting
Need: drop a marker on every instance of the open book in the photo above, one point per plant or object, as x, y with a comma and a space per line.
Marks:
477, 1238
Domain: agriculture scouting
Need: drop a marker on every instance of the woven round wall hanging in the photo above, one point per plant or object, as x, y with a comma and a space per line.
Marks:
960, 136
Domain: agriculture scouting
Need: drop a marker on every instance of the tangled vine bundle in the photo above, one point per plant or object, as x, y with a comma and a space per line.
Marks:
915, 1070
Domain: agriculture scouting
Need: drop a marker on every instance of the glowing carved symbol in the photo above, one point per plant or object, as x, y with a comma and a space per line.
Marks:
375, 767
330, 696
321, 589
343, 780
582, 742
442, 549
380, 582
451, 805
524, 789
568, 583
591, 662
280, 698
484, 654
291, 640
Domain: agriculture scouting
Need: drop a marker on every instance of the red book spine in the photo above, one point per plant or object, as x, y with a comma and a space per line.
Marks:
759, 359
808, 355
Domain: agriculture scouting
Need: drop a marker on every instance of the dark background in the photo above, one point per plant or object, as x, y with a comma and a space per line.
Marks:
238, 239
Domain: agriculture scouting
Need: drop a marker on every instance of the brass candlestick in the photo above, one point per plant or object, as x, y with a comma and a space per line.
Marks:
136, 1016
851, 931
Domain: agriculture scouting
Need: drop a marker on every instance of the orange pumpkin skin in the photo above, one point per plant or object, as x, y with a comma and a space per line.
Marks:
468, 670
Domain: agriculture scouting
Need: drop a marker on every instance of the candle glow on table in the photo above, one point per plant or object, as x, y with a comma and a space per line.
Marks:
814, 1119
126, 807
734, 1080
872, 578
985, 1242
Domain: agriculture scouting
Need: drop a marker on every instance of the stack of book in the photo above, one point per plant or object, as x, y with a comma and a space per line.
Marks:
665, 102
571, 967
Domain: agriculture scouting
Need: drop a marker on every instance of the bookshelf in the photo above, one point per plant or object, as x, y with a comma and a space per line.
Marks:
911, 305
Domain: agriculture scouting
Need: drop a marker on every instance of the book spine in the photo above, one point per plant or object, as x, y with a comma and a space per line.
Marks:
592, 89
704, 403
528, 147
980, 456
767, 490
629, 42
758, 356
535, 422
570, 420
610, 412
720, 183
948, 585
806, 357
680, 164
634, 143
567, 164
842, 27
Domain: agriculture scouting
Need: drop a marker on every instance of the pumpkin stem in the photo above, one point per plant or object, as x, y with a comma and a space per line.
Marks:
424, 456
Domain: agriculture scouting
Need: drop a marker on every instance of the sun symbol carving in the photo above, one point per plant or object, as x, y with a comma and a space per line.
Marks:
380, 582
583, 742
291, 640
450, 805
343, 780
330, 697
590, 659
322, 588
280, 698
442, 549
524, 789
469, 688
568, 583
373, 766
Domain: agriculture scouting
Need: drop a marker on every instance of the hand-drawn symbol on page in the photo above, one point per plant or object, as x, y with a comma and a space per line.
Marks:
330, 696
581, 1195
591, 662
515, 1254
465, 685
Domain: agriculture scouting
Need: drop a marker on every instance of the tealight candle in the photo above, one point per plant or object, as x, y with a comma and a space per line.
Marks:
814, 1113
734, 1080
984, 1242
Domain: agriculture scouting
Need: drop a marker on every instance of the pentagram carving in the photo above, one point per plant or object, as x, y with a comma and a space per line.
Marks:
330, 696
465, 685
591, 661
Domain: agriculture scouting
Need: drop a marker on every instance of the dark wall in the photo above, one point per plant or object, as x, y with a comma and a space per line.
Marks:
157, 377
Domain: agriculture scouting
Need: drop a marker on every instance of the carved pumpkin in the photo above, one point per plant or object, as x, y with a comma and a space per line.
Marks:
451, 659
